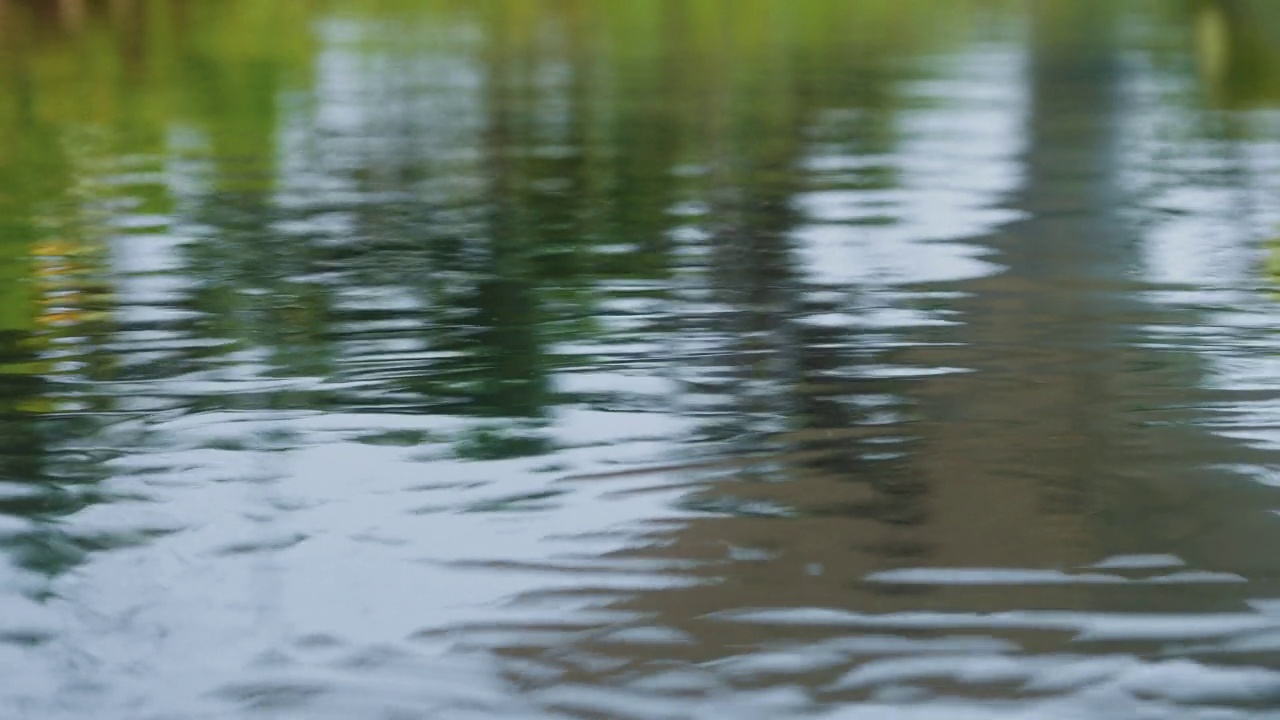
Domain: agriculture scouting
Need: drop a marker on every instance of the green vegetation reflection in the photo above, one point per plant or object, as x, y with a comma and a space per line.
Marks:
342, 185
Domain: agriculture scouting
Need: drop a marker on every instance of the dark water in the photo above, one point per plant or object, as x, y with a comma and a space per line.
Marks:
639, 359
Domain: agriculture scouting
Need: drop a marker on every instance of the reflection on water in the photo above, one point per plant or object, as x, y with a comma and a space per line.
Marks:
638, 360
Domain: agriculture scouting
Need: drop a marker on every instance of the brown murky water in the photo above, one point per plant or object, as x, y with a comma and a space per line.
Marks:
639, 359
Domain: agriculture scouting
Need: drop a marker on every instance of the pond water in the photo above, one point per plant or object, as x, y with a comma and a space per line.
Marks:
377, 359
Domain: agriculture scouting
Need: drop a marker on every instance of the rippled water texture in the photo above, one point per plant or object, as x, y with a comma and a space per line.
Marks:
381, 360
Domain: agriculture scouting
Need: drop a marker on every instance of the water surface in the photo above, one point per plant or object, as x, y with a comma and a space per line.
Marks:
640, 359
